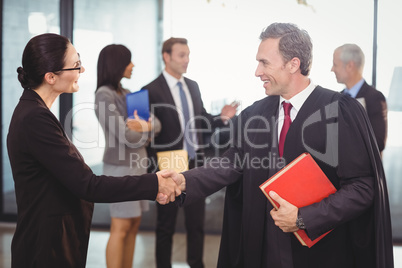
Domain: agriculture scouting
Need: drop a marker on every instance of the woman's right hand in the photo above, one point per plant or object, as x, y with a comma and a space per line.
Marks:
139, 125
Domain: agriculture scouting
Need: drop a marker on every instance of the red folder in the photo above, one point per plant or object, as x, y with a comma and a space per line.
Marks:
301, 183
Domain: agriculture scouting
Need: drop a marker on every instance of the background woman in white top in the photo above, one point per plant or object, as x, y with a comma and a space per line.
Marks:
125, 151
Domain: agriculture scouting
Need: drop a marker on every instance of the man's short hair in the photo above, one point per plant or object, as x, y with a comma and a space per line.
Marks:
168, 44
293, 43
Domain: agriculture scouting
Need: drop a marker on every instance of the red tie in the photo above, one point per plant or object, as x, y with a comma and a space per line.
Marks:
286, 124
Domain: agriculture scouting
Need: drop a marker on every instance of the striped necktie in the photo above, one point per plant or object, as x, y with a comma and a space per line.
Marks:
188, 137
286, 124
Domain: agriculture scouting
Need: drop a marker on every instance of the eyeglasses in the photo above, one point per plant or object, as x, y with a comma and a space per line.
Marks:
71, 69
79, 68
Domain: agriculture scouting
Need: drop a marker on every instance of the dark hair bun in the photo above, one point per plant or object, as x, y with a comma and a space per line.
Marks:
20, 71
22, 77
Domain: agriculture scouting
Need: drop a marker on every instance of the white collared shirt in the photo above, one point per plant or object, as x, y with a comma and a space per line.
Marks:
297, 102
175, 91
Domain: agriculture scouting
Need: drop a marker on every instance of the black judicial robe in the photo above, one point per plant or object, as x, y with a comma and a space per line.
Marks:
376, 108
335, 130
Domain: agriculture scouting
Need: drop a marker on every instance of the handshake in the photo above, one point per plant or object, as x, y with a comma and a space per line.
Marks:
171, 184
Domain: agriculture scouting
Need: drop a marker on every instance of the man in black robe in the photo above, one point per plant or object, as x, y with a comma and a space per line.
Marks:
335, 130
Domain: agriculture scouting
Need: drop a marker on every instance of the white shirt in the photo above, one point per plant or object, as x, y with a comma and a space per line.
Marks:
175, 91
297, 102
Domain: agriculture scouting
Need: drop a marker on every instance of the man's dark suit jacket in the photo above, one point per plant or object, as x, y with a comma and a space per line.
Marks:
55, 189
335, 130
163, 107
376, 107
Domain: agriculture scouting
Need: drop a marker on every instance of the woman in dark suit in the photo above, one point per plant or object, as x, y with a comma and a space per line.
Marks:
53, 185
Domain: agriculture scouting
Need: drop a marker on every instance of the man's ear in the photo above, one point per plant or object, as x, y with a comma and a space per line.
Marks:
50, 78
350, 66
294, 65
165, 56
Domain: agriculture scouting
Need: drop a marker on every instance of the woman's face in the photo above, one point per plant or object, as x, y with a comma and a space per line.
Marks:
67, 81
129, 70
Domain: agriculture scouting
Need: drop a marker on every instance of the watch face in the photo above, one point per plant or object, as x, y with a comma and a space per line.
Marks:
300, 223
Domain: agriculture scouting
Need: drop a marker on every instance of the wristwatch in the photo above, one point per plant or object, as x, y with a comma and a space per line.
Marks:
300, 222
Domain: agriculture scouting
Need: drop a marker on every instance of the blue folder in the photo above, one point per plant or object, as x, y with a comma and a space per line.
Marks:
139, 101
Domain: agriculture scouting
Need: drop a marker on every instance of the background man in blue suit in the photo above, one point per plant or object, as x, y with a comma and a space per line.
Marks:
348, 64
176, 102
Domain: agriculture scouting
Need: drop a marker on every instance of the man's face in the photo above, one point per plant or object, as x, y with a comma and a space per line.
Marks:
339, 68
177, 61
272, 69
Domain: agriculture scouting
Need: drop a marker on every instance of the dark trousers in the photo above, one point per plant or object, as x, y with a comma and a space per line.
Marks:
194, 215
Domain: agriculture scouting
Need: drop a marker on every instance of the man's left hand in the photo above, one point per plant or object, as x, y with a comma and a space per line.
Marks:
229, 110
285, 217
